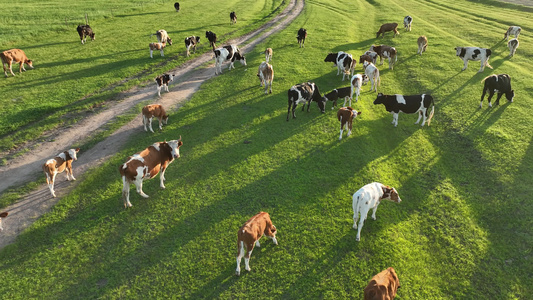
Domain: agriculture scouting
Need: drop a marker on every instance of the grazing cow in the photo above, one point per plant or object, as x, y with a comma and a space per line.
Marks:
163, 81
474, 53
369, 56
212, 38
191, 42
407, 21
387, 27
336, 94
422, 44
84, 31
54, 166
513, 30
344, 62
162, 37
382, 286
177, 6
500, 84
356, 83
302, 34
17, 56
157, 46
372, 72
232, 18
266, 76
408, 104
512, 44
385, 51
2, 215
249, 235
346, 115
231, 53
151, 111
146, 165
368, 197
268, 54
305, 93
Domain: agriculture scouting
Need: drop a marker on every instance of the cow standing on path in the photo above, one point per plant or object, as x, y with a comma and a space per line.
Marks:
231, 53
151, 111
17, 56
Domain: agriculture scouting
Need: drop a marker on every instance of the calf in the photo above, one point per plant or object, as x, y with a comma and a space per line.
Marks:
157, 46
162, 37
513, 30
344, 62
2, 215
268, 54
346, 115
383, 285
407, 21
345, 92
212, 38
474, 53
422, 44
162, 81
151, 111
191, 42
408, 104
385, 51
305, 93
17, 56
231, 53
249, 235
177, 6
232, 18
372, 73
368, 197
85, 31
146, 165
356, 83
500, 84
266, 75
54, 166
302, 34
512, 44
387, 27
369, 56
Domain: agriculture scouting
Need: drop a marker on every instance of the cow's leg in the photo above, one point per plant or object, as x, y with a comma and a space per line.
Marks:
144, 122
5, 69
150, 124
51, 184
497, 102
162, 176
151, 51
381, 57
166, 87
240, 254
231, 66
161, 51
139, 186
160, 124
349, 126
466, 64
247, 257
374, 211
271, 82
340, 136
395, 118
482, 67
126, 192
257, 244
491, 93
364, 212
483, 96
420, 117
10, 64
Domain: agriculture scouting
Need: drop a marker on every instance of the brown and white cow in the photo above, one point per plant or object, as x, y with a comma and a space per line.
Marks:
17, 56
2, 215
157, 46
249, 235
388, 27
266, 76
385, 51
58, 164
146, 165
346, 115
162, 37
383, 285
163, 81
151, 111
422, 44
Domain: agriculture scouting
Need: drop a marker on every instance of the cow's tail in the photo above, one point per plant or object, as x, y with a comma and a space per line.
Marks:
482, 80
432, 111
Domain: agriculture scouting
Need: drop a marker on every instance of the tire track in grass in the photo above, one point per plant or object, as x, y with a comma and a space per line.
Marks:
189, 77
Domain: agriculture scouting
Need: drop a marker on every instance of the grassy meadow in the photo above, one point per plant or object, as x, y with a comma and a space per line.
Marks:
462, 231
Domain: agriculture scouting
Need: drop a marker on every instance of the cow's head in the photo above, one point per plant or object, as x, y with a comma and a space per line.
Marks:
91, 34
169, 41
2, 215
241, 58
73, 152
391, 194
355, 113
29, 62
197, 39
270, 230
175, 147
365, 78
379, 99
331, 57
165, 118
460, 51
322, 104
510, 95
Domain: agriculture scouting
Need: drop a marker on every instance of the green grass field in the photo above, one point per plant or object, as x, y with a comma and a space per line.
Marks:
462, 231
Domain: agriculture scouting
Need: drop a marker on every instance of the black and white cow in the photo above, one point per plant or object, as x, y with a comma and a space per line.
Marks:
408, 104
474, 53
302, 34
191, 42
407, 21
305, 93
344, 62
177, 6
500, 84
233, 18
340, 93
212, 38
163, 81
231, 53
85, 31
512, 30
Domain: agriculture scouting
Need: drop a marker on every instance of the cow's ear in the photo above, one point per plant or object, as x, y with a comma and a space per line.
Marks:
77, 149
359, 112
380, 94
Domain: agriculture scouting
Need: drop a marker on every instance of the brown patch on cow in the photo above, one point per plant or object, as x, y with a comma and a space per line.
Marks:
383, 285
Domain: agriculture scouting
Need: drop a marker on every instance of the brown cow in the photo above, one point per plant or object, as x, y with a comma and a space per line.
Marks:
422, 44
2, 215
388, 27
249, 235
54, 166
346, 115
151, 111
16, 55
266, 75
146, 165
382, 286
157, 46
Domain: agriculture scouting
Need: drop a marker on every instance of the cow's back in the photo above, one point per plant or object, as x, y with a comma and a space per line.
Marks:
13, 54
383, 285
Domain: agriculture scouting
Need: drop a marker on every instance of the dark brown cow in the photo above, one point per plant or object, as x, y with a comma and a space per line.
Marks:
15, 55
54, 166
383, 286
151, 111
233, 18
146, 165
388, 27
249, 235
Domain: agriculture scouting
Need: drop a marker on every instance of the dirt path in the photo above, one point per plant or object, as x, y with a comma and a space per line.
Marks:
189, 78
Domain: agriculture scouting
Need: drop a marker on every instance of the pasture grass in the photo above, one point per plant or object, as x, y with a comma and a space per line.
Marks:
462, 231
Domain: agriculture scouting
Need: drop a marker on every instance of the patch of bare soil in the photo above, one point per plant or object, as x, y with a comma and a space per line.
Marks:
25, 168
